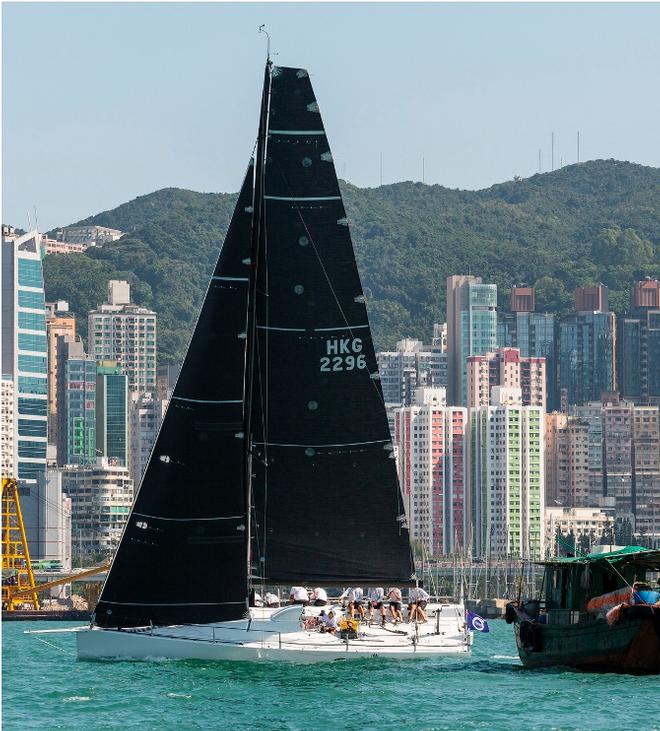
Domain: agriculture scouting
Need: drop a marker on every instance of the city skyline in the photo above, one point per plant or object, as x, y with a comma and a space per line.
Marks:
159, 109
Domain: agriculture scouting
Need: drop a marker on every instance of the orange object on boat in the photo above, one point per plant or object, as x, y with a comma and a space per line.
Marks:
605, 602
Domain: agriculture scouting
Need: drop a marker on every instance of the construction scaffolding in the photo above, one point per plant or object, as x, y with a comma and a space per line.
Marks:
18, 585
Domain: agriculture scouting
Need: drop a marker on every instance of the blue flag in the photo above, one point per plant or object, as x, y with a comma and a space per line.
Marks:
477, 623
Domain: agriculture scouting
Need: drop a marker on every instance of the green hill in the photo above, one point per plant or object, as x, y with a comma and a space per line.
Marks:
594, 222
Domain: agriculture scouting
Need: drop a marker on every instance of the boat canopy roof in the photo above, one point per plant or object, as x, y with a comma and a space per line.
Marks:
637, 555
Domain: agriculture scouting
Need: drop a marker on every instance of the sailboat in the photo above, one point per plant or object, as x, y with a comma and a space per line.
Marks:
274, 465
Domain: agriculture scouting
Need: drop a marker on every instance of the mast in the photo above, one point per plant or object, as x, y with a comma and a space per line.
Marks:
256, 242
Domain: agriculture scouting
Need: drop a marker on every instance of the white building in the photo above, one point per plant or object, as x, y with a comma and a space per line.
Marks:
88, 235
507, 476
46, 512
430, 440
147, 414
591, 522
101, 498
126, 333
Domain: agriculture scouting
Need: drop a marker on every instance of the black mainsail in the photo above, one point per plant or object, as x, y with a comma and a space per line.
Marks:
274, 463
327, 505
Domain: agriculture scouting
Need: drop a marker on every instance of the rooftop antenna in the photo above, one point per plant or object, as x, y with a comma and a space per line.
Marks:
423, 172
381, 168
36, 219
29, 221
267, 34
539, 159
552, 151
578, 146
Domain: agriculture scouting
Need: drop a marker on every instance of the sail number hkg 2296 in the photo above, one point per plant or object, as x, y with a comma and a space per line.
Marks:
343, 354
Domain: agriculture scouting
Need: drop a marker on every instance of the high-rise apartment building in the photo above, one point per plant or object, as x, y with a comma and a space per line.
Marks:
410, 366
646, 470
112, 414
59, 322
77, 404
507, 476
624, 459
432, 464
146, 415
533, 333
567, 475
101, 496
639, 345
587, 346
121, 331
24, 349
617, 417
505, 367
471, 329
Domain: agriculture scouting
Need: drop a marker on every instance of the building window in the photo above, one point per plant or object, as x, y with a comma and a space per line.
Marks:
32, 384
29, 273
33, 300
32, 342
31, 321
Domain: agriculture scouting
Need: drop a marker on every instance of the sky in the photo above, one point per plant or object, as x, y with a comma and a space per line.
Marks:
102, 102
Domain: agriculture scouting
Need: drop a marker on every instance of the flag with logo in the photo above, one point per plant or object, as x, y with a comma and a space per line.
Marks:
477, 623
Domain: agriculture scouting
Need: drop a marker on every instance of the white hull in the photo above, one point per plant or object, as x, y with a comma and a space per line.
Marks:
281, 638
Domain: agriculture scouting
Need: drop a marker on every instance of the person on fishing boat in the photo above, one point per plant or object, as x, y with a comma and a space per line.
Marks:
377, 601
417, 601
395, 598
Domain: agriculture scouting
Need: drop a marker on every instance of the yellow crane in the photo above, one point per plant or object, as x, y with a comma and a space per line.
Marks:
17, 573
18, 585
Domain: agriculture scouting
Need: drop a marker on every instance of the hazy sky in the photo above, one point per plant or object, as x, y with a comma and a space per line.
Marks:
104, 102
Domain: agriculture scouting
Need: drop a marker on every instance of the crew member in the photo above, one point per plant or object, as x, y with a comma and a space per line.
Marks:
319, 597
299, 595
376, 601
394, 598
417, 601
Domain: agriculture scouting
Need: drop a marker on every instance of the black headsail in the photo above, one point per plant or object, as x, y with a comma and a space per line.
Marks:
182, 556
326, 502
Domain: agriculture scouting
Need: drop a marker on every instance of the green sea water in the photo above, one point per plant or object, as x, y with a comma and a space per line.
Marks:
45, 687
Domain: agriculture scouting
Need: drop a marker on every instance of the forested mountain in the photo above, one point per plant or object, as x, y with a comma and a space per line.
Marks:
594, 222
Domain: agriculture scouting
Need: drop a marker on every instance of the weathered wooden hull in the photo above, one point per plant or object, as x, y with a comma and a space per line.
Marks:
632, 645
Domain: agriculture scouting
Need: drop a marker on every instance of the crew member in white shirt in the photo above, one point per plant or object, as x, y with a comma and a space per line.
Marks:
355, 598
319, 597
417, 601
377, 601
271, 600
299, 595
330, 623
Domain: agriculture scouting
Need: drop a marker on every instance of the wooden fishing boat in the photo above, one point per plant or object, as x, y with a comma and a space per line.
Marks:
598, 612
